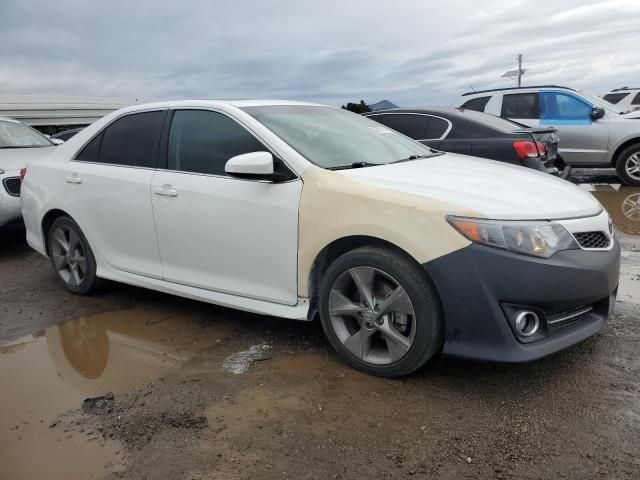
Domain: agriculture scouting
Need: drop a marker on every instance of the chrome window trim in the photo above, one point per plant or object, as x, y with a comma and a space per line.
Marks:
444, 135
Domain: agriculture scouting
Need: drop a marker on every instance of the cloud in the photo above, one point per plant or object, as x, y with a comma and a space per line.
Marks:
411, 52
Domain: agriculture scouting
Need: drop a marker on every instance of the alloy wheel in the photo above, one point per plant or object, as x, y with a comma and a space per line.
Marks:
372, 315
68, 256
631, 207
632, 166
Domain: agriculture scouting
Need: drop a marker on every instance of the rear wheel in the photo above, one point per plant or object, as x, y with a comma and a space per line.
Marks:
628, 165
71, 256
380, 312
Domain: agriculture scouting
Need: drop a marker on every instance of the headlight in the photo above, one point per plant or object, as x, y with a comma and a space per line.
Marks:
541, 239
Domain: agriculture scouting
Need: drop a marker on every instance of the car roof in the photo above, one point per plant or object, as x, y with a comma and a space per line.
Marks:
624, 89
531, 87
214, 103
449, 110
8, 119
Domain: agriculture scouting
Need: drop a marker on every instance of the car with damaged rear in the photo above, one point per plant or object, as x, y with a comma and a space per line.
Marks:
302, 211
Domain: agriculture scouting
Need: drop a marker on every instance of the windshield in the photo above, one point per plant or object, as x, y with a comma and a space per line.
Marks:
333, 138
18, 135
608, 107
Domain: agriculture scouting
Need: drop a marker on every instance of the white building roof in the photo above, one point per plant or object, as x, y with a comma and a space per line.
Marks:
41, 110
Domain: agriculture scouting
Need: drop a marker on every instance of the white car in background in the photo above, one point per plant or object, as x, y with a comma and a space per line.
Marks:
292, 209
625, 98
18, 143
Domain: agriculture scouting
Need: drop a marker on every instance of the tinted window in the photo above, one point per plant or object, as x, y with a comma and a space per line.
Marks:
520, 105
636, 99
436, 128
90, 152
201, 141
477, 104
614, 97
132, 140
413, 126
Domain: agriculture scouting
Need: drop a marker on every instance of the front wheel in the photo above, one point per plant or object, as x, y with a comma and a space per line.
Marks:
628, 165
71, 256
380, 312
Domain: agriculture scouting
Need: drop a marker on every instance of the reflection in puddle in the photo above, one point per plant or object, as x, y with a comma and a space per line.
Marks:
50, 373
623, 205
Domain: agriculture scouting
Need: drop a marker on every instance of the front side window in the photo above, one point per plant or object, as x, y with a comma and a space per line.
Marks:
131, 140
413, 126
477, 104
520, 105
202, 141
563, 107
335, 138
18, 135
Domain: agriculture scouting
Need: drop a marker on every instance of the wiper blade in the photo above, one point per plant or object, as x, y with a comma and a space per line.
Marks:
353, 165
409, 158
22, 146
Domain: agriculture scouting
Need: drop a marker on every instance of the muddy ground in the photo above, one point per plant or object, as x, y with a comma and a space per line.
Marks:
202, 392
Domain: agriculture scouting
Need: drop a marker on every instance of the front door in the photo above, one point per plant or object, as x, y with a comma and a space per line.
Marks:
217, 232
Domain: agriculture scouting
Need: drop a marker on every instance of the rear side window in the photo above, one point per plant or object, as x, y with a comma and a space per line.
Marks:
477, 104
520, 105
413, 126
636, 99
615, 97
201, 141
131, 140
436, 128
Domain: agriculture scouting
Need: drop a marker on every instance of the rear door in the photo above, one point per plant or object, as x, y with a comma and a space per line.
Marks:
108, 187
218, 232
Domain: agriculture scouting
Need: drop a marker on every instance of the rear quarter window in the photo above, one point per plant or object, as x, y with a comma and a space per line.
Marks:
615, 97
477, 104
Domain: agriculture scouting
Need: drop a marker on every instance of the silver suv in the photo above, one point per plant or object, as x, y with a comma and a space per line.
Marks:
592, 131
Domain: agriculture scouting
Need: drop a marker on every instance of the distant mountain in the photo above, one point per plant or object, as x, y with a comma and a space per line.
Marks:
382, 105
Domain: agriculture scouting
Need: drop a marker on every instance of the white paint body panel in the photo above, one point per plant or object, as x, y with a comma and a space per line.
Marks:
234, 242
229, 235
494, 189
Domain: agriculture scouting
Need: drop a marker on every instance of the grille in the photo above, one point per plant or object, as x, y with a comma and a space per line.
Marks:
564, 319
592, 239
12, 185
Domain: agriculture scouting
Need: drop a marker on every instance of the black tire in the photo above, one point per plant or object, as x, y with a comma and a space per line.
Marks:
621, 165
88, 282
428, 318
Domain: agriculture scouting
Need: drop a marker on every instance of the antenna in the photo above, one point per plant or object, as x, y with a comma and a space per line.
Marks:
513, 74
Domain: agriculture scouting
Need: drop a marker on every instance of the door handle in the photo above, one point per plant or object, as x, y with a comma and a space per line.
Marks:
165, 190
73, 178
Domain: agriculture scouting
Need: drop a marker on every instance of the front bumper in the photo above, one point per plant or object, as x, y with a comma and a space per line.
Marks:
481, 286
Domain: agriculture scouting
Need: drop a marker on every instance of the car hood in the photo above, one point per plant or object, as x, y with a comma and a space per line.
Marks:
17, 158
492, 189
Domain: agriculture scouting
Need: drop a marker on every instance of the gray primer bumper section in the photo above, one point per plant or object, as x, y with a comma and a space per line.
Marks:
473, 283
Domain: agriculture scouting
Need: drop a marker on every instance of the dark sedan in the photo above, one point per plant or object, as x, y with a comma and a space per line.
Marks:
479, 134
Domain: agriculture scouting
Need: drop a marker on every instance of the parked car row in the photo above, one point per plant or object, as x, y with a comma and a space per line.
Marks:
592, 131
468, 132
300, 210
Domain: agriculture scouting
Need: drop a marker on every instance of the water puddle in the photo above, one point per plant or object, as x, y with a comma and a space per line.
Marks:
623, 204
53, 372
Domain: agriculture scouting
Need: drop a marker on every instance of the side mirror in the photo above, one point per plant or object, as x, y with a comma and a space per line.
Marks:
56, 141
254, 166
597, 113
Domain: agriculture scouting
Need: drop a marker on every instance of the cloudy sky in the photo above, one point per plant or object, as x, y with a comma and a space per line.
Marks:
420, 52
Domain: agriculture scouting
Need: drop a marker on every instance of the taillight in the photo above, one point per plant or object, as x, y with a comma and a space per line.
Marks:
526, 149
23, 173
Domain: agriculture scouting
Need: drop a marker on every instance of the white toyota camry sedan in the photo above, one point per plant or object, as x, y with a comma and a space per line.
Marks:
300, 210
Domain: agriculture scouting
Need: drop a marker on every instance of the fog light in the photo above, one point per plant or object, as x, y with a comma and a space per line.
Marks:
527, 323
